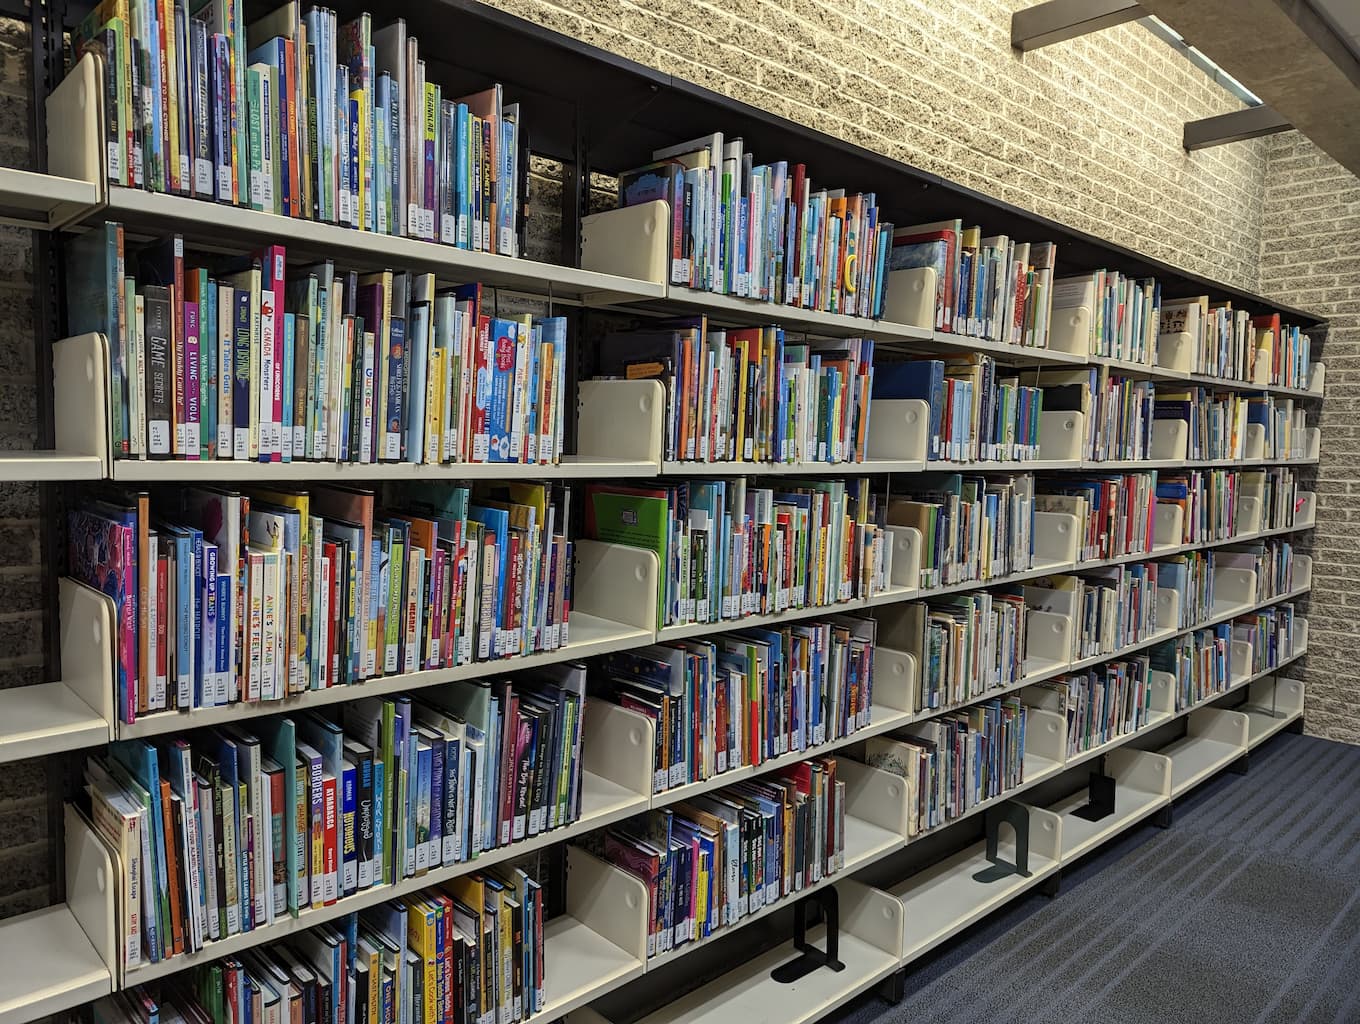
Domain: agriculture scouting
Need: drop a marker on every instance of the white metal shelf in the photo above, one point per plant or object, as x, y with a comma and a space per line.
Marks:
1214, 739
571, 467
213, 224
44, 202
49, 966
40, 466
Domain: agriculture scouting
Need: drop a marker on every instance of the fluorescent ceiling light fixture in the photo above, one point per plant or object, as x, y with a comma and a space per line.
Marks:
1195, 57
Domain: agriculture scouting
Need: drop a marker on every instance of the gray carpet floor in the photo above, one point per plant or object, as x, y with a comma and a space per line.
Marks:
1245, 911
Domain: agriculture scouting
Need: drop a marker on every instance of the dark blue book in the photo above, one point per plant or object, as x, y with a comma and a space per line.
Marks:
917, 378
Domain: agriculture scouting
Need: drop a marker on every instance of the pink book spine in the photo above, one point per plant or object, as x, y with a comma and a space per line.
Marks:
274, 263
436, 608
192, 374
127, 626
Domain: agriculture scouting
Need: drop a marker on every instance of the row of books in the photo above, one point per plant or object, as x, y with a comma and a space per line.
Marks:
729, 550
1101, 704
1124, 314
225, 597
975, 413
993, 288
1113, 512
469, 952
1285, 424
299, 115
1200, 662
247, 358
1111, 607
748, 395
955, 762
970, 645
1217, 422
972, 528
1190, 575
746, 697
1270, 633
762, 231
719, 857
227, 831
1273, 563
1233, 344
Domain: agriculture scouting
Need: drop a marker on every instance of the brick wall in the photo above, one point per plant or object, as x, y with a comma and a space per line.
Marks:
1087, 132
1310, 235
26, 853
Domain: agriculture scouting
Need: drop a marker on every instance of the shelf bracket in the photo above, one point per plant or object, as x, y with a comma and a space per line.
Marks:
810, 957
1237, 126
1060, 20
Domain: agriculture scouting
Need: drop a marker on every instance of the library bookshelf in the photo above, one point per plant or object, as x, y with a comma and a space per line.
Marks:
66, 956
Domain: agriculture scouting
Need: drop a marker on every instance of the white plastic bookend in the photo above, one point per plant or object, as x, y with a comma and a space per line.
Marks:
1045, 834
1306, 513
615, 582
619, 745
875, 796
1220, 726
1254, 441
1303, 572
1056, 539
1233, 587
1317, 378
1046, 735
1300, 636
1141, 769
1168, 525
1176, 352
899, 429
871, 915
1313, 443
93, 890
609, 901
1271, 694
1162, 692
75, 126
1247, 520
1239, 660
621, 419
1048, 641
87, 647
634, 241
906, 556
1168, 608
910, 297
1260, 373
80, 390
895, 678
1070, 331
1170, 439
1061, 436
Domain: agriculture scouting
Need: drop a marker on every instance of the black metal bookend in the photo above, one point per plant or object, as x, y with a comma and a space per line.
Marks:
1100, 802
810, 957
1008, 813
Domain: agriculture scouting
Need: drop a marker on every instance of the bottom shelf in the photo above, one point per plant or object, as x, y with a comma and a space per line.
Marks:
946, 898
1142, 787
871, 924
1213, 740
1272, 704
50, 966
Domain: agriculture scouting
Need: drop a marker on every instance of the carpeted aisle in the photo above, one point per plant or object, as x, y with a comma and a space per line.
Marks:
1246, 911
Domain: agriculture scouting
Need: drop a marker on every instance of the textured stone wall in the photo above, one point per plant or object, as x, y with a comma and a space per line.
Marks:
1087, 132
1309, 240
